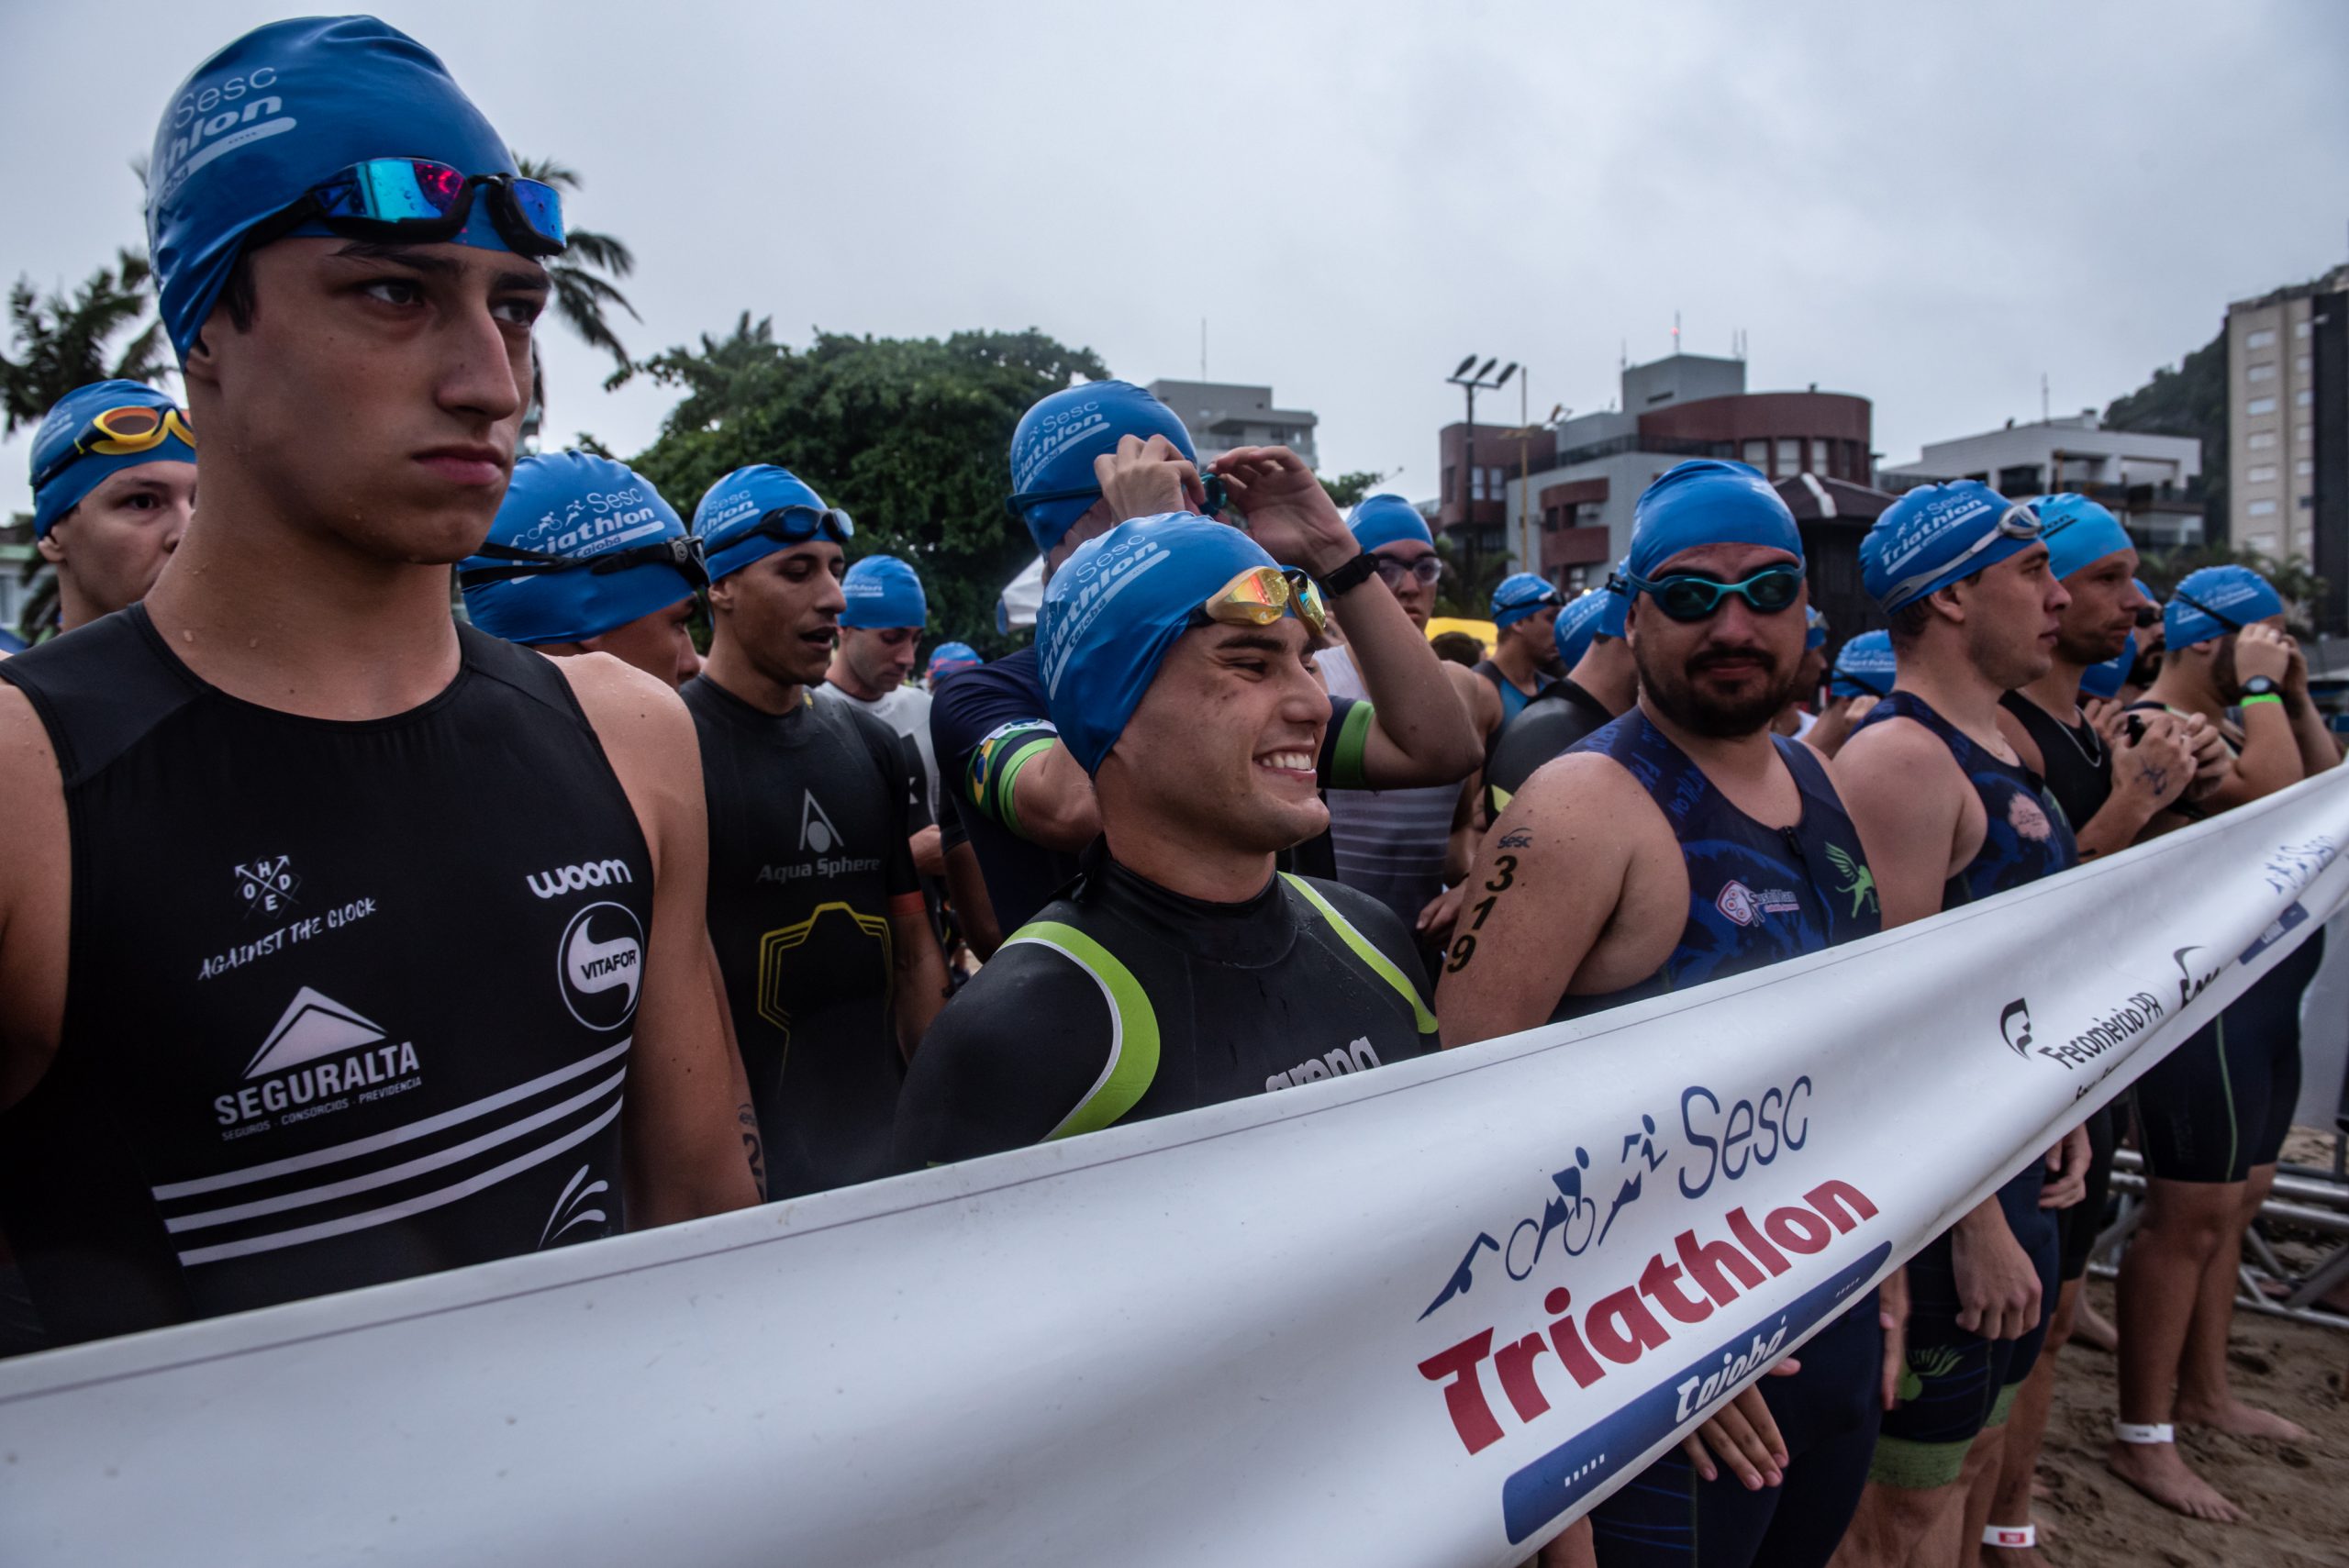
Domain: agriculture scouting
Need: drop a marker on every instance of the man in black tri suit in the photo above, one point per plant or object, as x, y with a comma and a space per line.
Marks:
832, 973
1600, 682
394, 926
1680, 843
2110, 795
1952, 817
1180, 968
1081, 460
2212, 1115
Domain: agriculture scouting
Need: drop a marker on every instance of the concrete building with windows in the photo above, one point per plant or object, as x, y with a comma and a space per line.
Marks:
2287, 431
1559, 500
1221, 415
2152, 483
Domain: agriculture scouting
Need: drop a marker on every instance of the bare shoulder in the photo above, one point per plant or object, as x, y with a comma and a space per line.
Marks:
35, 887
1881, 752
1484, 698
2018, 738
645, 731
1588, 789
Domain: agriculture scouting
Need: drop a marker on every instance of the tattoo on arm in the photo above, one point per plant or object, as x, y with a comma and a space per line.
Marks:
1504, 878
752, 1150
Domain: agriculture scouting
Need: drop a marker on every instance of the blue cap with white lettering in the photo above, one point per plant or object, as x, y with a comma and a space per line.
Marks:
1814, 629
1520, 594
2079, 533
1053, 448
2215, 601
1577, 624
1864, 667
1112, 613
1939, 534
883, 591
71, 457
285, 107
758, 510
585, 508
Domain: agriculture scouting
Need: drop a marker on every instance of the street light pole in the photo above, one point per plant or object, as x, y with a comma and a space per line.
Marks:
1470, 378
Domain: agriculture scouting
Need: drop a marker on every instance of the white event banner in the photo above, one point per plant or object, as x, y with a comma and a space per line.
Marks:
1425, 1315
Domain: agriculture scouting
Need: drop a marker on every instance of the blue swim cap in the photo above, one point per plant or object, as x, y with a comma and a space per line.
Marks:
69, 419
2105, 680
2077, 532
1520, 594
1814, 633
1619, 594
1112, 613
883, 591
949, 657
1925, 540
278, 111
1705, 502
729, 516
1387, 519
583, 508
1057, 439
1578, 623
1863, 667
2215, 601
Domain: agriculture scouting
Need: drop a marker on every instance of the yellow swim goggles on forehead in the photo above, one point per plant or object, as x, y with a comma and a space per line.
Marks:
120, 432
1261, 595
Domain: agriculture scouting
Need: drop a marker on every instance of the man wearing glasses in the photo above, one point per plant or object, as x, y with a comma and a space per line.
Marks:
1081, 460
1179, 969
831, 971
1683, 842
586, 557
2212, 1115
114, 485
396, 928
1951, 816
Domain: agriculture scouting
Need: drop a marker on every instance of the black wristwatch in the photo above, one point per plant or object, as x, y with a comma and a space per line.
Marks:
1350, 576
2259, 686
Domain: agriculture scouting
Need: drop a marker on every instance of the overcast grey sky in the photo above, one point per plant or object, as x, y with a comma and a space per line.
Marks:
1927, 205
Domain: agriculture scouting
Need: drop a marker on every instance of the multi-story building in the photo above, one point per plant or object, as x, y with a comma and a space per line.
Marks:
1559, 501
2287, 430
2152, 483
1221, 415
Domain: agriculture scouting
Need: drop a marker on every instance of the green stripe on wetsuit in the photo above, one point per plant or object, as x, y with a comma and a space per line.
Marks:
1133, 1039
1379, 964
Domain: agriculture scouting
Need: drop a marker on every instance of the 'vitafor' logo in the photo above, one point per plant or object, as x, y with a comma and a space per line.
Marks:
600, 964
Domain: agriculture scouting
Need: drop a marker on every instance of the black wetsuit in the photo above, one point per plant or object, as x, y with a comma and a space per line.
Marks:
2079, 770
1957, 1382
2222, 1102
1757, 896
345, 1002
808, 816
1543, 731
1515, 699
1124, 1000
988, 723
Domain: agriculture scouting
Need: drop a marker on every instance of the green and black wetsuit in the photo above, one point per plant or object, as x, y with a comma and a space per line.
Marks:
1124, 1000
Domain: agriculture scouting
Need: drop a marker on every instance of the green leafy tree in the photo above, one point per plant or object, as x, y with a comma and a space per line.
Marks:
1469, 578
910, 435
1348, 489
585, 297
62, 341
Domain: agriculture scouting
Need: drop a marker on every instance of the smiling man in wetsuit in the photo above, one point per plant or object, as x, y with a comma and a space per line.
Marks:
1952, 816
396, 928
1180, 968
1628, 870
831, 969
114, 485
2212, 1115
586, 557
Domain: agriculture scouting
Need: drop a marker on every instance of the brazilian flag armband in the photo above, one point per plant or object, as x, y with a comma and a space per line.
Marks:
996, 761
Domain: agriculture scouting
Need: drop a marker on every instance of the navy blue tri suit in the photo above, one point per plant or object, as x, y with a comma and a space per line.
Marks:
988, 723
1124, 999
1957, 1382
1757, 896
2222, 1102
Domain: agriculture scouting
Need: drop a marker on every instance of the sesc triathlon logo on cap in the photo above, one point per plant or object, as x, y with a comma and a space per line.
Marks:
216, 118
594, 523
600, 965
1940, 516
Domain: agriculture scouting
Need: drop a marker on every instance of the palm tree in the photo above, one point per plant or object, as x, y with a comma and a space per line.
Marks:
62, 340
584, 295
